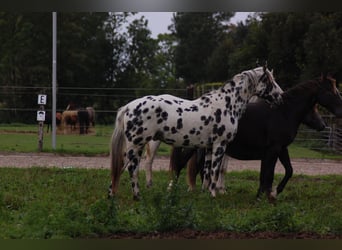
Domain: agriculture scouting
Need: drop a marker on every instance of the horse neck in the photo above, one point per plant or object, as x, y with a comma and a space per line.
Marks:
298, 101
240, 89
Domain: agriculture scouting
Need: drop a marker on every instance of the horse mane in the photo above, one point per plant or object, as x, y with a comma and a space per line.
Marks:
301, 88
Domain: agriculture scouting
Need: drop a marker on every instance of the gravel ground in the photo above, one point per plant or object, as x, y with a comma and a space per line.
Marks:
300, 166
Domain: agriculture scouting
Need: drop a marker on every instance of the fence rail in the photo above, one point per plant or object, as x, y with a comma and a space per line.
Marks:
330, 139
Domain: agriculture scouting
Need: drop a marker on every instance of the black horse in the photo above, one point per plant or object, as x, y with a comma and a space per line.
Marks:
83, 119
265, 132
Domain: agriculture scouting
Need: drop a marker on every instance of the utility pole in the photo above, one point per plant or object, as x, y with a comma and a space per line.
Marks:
54, 77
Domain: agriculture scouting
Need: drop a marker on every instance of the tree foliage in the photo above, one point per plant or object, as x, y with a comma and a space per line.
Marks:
107, 59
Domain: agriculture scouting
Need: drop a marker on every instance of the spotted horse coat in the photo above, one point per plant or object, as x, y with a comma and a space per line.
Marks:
210, 122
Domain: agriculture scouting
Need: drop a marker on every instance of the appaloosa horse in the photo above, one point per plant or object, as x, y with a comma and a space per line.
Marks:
264, 133
209, 122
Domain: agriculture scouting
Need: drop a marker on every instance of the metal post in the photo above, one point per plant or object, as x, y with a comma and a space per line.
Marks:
54, 76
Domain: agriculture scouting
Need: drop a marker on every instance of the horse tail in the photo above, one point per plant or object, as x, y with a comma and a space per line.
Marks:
175, 157
118, 144
195, 165
192, 171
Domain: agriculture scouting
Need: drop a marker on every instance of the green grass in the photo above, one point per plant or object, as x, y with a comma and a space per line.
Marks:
41, 203
24, 138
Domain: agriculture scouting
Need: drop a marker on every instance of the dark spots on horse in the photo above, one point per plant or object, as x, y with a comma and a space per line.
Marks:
219, 130
173, 130
219, 151
232, 120
169, 141
186, 142
192, 108
185, 137
159, 135
138, 140
179, 111
148, 117
158, 111
217, 114
168, 102
207, 120
148, 138
179, 123
164, 115
129, 125
130, 154
160, 120
178, 101
229, 136
192, 131
166, 128
145, 110
140, 130
228, 100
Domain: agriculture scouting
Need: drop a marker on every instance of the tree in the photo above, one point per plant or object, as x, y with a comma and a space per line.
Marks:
197, 34
25, 54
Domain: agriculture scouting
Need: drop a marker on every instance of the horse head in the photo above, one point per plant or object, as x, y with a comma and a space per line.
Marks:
329, 95
267, 88
314, 120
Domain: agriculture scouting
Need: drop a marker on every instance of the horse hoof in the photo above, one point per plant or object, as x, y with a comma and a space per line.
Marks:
110, 193
272, 197
213, 193
149, 184
136, 197
222, 191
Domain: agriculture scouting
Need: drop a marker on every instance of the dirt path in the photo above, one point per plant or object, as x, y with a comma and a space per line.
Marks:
300, 166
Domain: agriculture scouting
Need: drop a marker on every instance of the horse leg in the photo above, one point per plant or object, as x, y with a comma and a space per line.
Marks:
207, 169
220, 183
151, 151
178, 160
285, 160
133, 157
192, 169
217, 157
267, 174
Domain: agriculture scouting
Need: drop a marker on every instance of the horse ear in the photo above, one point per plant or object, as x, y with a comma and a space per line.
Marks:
265, 66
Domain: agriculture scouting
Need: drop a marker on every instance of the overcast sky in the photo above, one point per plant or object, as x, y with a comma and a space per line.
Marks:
159, 21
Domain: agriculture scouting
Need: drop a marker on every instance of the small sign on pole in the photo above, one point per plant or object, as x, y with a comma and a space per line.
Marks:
42, 99
41, 118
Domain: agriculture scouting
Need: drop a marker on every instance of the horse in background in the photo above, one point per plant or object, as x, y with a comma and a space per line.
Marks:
83, 120
75, 115
91, 114
48, 120
69, 120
